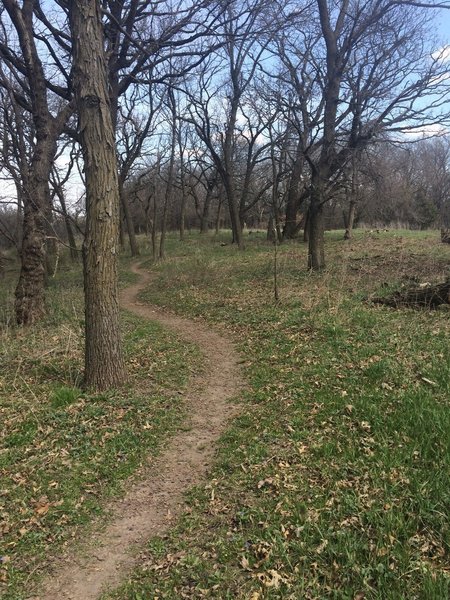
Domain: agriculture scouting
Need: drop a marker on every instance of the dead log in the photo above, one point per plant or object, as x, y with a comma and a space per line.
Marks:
426, 296
445, 236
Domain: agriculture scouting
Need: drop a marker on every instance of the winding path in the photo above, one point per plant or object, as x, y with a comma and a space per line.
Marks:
150, 506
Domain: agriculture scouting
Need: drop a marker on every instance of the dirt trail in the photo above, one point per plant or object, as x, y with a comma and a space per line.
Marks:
150, 506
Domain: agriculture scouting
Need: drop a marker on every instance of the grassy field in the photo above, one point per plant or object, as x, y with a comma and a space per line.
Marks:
334, 481
64, 452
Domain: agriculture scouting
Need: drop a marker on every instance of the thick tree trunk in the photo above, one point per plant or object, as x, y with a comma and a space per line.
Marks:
19, 217
236, 226
316, 228
104, 366
291, 229
29, 296
121, 228
228, 176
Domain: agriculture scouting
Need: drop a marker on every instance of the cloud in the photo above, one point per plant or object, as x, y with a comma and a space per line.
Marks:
442, 54
425, 131
443, 77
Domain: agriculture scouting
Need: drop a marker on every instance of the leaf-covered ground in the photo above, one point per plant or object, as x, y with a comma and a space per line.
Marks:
64, 452
334, 481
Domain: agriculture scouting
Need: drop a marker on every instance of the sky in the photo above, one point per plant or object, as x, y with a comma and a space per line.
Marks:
443, 23
75, 189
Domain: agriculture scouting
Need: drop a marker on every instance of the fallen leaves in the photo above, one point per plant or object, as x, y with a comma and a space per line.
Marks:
272, 579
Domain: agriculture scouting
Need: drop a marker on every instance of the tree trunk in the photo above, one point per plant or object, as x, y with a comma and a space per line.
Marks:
154, 228
228, 175
316, 227
350, 220
29, 295
104, 365
306, 227
182, 184
121, 228
270, 236
182, 212
218, 214
236, 225
353, 198
134, 249
205, 213
168, 197
290, 230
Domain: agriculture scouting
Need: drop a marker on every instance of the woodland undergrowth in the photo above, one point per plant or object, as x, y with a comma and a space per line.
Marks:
334, 480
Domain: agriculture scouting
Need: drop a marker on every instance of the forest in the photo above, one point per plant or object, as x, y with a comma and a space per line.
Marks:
224, 292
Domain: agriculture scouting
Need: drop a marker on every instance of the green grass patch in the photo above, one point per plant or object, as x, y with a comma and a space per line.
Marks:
334, 481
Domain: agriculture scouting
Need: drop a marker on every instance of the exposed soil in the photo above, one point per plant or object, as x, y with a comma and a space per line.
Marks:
150, 506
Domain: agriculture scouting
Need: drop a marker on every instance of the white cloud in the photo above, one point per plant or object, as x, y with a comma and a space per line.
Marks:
425, 131
442, 54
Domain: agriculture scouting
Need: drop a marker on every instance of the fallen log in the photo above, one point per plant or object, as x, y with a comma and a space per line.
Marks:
425, 296
445, 236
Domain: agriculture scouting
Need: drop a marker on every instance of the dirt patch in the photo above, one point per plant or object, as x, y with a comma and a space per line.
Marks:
150, 506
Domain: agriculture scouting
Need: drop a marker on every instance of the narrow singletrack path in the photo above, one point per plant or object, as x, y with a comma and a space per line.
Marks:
151, 505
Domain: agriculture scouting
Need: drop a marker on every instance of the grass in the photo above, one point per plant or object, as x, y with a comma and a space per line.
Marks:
334, 480
64, 452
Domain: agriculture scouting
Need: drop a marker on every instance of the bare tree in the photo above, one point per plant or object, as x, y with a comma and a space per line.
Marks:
369, 70
20, 54
217, 105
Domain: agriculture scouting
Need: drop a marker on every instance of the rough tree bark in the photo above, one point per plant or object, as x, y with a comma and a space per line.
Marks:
316, 224
291, 228
104, 366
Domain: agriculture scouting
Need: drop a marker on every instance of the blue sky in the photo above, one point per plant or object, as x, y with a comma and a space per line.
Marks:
443, 22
